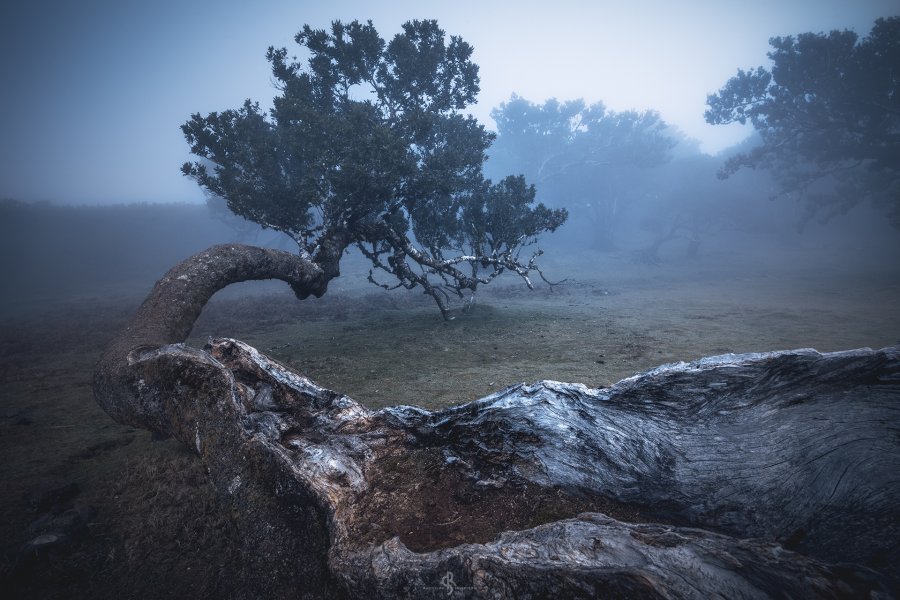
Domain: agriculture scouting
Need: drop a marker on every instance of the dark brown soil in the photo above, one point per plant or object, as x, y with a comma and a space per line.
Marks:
159, 531
430, 505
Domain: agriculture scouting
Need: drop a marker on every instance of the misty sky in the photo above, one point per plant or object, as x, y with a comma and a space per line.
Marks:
93, 92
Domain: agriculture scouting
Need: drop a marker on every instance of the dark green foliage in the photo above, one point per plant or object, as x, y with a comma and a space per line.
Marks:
367, 145
828, 114
501, 216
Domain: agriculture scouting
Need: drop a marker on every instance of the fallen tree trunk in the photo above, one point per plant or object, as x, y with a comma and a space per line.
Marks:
747, 476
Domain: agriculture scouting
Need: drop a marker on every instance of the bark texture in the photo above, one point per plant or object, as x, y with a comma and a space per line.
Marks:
170, 311
745, 476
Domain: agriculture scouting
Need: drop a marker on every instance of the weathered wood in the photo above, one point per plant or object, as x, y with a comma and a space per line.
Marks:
748, 476
170, 311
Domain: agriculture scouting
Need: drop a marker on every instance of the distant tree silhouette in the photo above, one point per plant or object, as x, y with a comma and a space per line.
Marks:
586, 156
828, 114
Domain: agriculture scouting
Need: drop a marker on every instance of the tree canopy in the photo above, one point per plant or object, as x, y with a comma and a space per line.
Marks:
554, 138
584, 154
828, 114
367, 145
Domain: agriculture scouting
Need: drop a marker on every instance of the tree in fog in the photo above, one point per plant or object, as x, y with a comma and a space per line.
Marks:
689, 205
588, 157
828, 114
367, 145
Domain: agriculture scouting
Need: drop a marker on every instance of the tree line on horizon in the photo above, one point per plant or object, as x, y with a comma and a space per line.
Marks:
435, 201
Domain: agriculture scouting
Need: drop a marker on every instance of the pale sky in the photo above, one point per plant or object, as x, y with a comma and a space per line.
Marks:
93, 92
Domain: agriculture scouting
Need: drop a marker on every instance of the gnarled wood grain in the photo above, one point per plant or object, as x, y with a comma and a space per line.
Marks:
748, 476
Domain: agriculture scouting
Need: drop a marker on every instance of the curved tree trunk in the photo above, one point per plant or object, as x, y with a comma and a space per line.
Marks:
170, 311
746, 476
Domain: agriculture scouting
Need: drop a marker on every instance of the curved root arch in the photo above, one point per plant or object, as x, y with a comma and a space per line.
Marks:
745, 476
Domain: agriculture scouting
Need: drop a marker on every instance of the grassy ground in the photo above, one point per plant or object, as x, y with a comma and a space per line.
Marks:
159, 530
